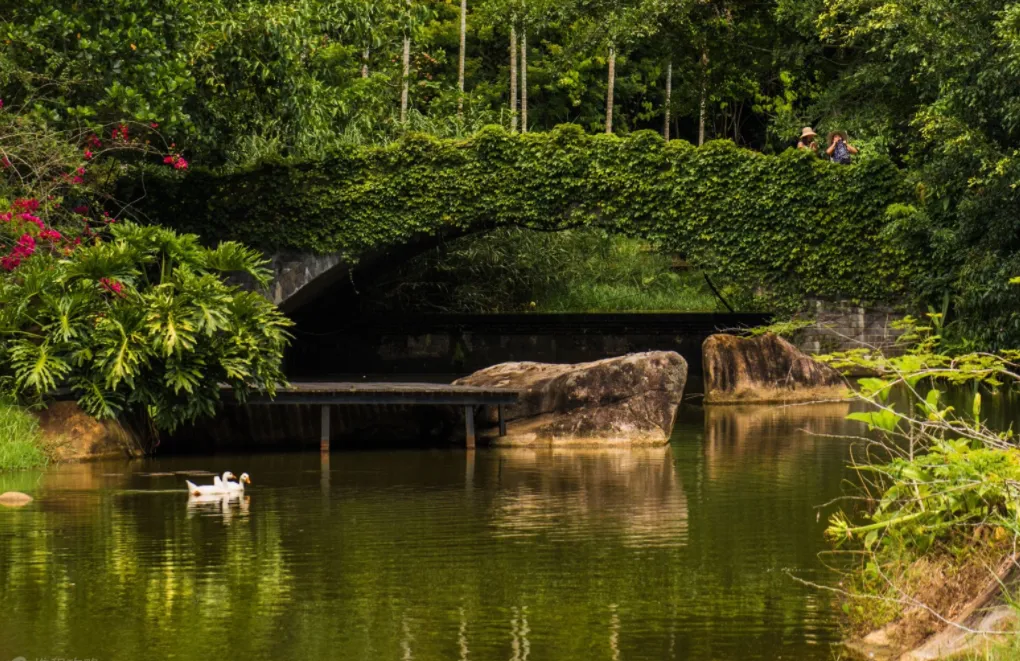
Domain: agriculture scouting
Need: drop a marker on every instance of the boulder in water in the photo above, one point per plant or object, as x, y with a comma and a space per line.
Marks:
764, 369
631, 400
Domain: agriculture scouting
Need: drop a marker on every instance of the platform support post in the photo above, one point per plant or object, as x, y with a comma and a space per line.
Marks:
324, 436
502, 420
469, 426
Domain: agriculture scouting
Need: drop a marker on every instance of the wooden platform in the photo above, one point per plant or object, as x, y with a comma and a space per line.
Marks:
436, 394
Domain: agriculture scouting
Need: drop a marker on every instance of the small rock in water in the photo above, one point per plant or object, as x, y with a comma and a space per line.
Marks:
14, 499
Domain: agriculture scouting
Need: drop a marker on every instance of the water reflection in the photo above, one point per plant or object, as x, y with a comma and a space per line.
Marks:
777, 435
225, 506
669, 553
567, 494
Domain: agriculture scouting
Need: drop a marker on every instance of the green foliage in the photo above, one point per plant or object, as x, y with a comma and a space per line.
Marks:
144, 322
781, 328
782, 227
937, 479
242, 78
942, 82
20, 440
515, 270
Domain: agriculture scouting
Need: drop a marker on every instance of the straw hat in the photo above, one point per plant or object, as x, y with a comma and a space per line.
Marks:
807, 132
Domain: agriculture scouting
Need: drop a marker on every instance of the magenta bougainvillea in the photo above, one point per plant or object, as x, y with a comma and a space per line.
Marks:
36, 222
177, 161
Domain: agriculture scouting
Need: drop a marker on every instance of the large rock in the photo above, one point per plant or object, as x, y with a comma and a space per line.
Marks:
70, 434
763, 369
631, 400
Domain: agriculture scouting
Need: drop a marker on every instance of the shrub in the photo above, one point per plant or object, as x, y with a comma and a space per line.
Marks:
144, 321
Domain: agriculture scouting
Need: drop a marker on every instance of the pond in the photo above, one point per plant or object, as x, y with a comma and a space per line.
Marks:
681, 552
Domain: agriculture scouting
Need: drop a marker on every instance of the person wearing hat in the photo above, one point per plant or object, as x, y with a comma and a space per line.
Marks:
807, 140
839, 149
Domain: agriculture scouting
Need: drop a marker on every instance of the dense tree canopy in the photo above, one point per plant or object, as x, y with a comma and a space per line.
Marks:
930, 83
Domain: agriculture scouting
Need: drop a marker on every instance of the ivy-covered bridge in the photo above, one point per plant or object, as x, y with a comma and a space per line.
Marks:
790, 225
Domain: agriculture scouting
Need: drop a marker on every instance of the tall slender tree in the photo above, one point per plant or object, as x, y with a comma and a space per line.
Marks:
667, 115
405, 77
524, 79
460, 63
610, 88
703, 103
513, 77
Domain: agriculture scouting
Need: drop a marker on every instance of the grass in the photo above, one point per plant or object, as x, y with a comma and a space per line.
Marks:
517, 270
20, 439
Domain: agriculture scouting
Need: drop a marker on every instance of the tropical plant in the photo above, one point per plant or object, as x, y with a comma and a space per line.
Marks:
144, 321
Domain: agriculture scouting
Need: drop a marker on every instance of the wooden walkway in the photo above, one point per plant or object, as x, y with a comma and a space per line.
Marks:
437, 394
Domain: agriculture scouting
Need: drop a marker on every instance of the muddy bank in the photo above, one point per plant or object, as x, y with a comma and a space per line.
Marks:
950, 609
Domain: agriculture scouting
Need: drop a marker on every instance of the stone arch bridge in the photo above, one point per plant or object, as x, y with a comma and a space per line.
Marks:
788, 224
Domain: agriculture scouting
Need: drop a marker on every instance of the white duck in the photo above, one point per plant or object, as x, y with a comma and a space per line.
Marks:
238, 487
219, 486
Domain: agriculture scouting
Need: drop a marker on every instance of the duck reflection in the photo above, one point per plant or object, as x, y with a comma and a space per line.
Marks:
225, 506
635, 494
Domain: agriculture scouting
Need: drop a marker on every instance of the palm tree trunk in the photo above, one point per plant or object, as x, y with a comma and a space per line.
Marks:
513, 78
704, 95
406, 79
364, 62
609, 91
460, 64
524, 81
669, 94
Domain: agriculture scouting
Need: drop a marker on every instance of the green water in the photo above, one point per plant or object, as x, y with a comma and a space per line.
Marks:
682, 552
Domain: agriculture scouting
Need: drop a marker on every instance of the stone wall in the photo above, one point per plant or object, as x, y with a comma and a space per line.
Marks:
842, 325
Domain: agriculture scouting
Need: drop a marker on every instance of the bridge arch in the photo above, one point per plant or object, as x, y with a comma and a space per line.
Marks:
788, 224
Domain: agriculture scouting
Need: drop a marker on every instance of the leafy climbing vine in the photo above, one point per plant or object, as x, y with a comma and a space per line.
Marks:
780, 227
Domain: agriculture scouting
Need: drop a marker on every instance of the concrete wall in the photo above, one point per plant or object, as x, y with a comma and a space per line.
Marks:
842, 325
449, 346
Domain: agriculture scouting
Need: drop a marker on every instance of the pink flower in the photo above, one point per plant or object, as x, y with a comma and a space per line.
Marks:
81, 171
80, 209
5, 162
26, 204
154, 125
10, 262
94, 141
25, 246
88, 154
177, 161
50, 235
6, 217
112, 286
76, 180
1, 103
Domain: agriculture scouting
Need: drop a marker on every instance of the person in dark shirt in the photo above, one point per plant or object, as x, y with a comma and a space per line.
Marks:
840, 150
